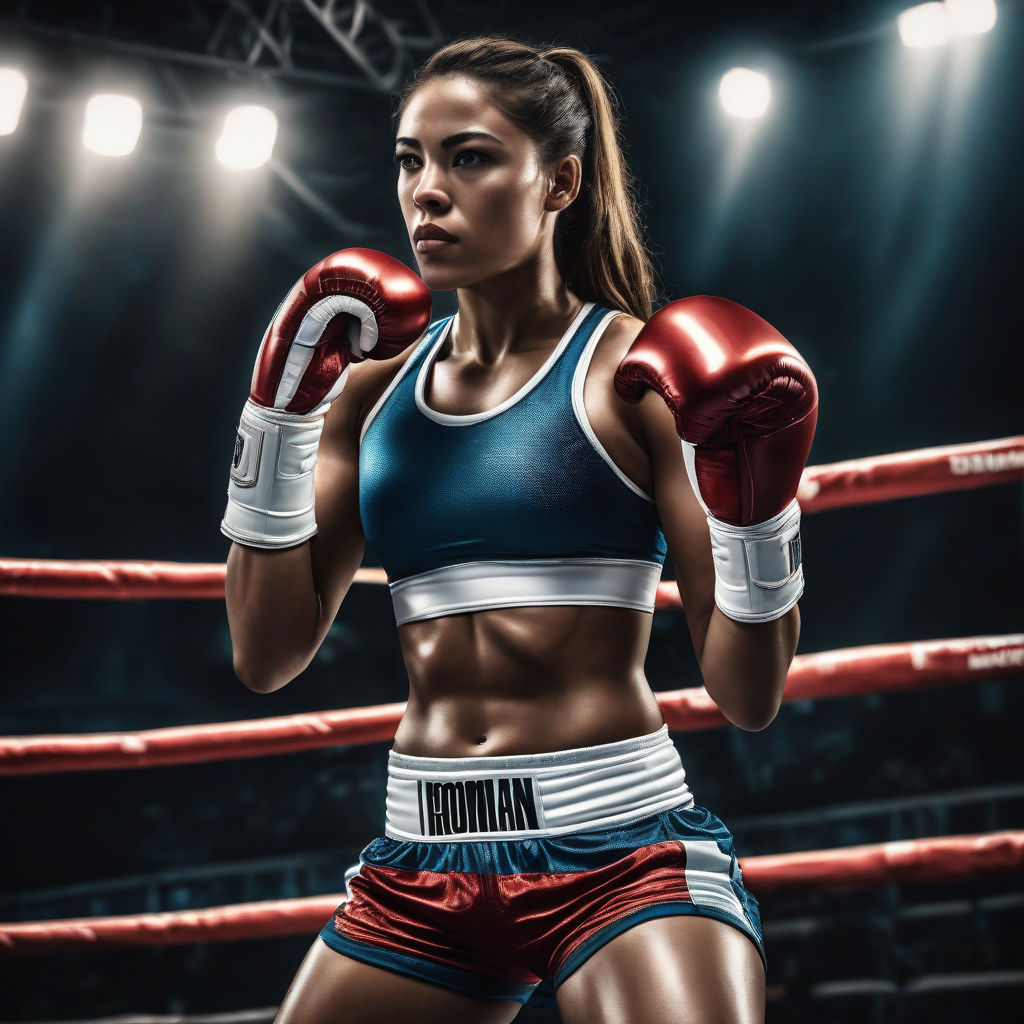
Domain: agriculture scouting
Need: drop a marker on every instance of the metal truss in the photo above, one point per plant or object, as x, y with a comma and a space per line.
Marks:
317, 43
365, 45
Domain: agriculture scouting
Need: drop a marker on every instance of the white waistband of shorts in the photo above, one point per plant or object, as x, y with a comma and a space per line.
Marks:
451, 799
476, 586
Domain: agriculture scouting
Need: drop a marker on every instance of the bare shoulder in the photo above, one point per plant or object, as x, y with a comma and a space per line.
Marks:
649, 418
620, 334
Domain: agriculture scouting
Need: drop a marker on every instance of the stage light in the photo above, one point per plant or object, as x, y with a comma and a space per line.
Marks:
934, 24
112, 124
923, 26
745, 93
13, 87
247, 139
970, 17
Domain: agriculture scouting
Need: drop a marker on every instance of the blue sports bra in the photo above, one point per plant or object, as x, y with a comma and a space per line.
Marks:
518, 505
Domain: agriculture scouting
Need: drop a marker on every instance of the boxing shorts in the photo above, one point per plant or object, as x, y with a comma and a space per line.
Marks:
500, 876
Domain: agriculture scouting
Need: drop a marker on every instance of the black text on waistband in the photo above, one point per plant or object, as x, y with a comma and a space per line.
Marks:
478, 805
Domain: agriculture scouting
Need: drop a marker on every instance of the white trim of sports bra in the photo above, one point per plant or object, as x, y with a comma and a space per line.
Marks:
463, 419
475, 586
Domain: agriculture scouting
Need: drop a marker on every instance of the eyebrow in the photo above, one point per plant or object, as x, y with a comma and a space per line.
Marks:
452, 140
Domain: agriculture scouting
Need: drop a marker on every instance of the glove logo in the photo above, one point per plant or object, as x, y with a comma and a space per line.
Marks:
794, 553
239, 447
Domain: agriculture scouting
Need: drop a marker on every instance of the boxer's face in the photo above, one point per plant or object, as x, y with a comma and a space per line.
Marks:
488, 191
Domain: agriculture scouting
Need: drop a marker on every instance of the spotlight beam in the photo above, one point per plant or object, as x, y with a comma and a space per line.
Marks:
338, 221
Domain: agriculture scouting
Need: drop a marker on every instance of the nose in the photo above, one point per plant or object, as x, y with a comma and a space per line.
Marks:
428, 194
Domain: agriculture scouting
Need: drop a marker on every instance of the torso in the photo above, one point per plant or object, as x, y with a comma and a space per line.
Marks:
531, 679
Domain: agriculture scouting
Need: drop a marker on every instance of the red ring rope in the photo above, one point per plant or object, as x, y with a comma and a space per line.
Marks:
876, 668
861, 670
879, 478
940, 859
123, 581
909, 474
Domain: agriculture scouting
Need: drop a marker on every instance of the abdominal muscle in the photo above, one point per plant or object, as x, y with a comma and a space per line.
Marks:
533, 679
525, 681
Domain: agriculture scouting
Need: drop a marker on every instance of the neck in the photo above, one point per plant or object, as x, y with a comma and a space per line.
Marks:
512, 312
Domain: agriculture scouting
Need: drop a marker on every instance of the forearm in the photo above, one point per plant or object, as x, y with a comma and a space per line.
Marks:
273, 613
744, 665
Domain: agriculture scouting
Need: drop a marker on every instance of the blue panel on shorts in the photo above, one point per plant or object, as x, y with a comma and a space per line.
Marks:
425, 970
575, 851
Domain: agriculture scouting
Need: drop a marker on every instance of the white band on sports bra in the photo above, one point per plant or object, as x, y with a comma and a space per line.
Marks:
451, 799
476, 586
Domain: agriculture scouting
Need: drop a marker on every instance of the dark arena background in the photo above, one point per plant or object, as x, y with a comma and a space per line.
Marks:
873, 212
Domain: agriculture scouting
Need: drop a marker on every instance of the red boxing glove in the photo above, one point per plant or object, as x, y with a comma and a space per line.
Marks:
355, 304
745, 405
309, 343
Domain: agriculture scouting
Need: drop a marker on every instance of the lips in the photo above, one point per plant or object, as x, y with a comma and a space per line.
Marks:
431, 238
432, 231
432, 244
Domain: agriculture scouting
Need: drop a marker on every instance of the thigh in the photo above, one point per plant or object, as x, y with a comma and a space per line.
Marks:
331, 988
670, 970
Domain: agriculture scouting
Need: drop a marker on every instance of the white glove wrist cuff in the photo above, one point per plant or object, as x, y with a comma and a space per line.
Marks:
270, 489
759, 572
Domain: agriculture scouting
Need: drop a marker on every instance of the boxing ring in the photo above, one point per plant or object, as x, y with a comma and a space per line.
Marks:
872, 669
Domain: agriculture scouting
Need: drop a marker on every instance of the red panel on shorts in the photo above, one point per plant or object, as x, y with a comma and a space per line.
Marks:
514, 927
553, 914
441, 916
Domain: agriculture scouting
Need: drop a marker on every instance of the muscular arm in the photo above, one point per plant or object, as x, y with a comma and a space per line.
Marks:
293, 507
744, 664
281, 603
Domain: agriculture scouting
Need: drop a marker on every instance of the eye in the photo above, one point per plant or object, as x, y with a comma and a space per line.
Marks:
400, 159
471, 152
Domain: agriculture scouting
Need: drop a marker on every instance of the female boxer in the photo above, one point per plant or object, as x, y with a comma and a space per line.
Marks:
520, 471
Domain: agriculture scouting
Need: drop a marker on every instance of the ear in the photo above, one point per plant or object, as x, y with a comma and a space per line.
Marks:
565, 184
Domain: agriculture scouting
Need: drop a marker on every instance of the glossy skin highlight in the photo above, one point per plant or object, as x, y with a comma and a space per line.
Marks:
489, 191
521, 679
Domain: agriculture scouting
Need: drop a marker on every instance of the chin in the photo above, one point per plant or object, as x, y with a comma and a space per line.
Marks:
438, 283
442, 279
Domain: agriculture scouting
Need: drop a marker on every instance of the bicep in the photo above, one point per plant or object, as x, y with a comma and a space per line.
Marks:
682, 518
337, 549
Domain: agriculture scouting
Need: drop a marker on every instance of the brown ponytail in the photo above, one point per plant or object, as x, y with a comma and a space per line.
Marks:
559, 98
